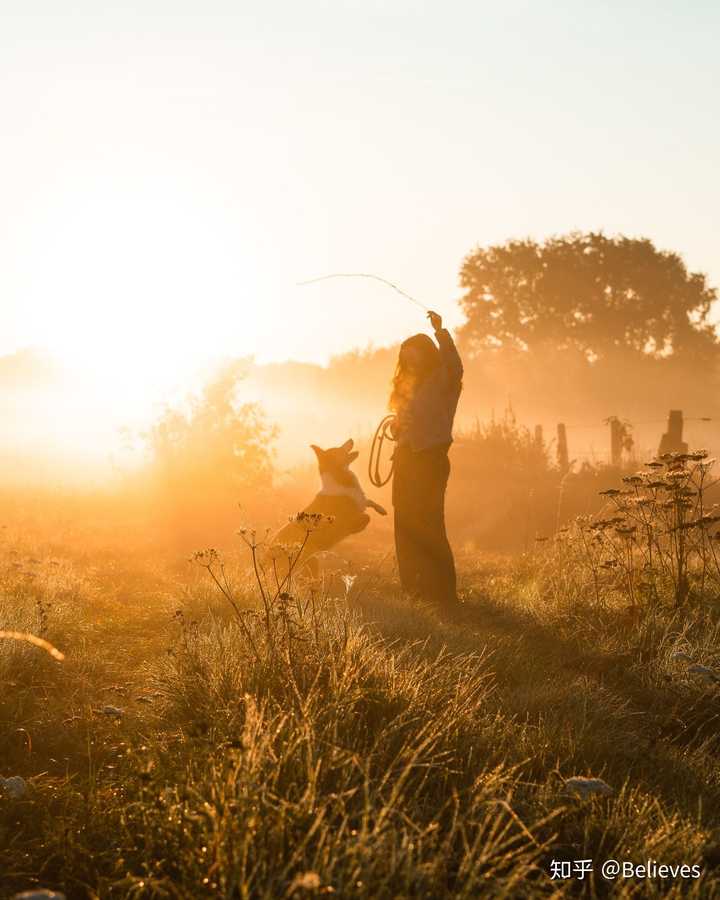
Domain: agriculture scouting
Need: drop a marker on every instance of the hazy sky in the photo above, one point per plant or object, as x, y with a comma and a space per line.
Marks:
169, 170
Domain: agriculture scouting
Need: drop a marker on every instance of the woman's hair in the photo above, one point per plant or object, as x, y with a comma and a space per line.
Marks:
418, 357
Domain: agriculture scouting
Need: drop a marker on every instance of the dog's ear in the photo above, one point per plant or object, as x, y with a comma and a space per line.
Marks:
318, 450
348, 445
353, 457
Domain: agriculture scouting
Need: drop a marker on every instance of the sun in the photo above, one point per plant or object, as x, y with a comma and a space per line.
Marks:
136, 289
139, 290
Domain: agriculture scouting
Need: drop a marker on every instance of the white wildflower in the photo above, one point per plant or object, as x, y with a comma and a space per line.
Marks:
348, 581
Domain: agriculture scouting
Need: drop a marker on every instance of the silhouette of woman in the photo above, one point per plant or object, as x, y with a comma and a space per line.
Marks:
424, 398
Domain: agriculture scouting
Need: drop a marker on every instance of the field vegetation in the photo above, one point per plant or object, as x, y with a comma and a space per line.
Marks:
212, 732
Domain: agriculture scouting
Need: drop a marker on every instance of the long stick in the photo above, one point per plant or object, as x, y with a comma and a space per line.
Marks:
365, 275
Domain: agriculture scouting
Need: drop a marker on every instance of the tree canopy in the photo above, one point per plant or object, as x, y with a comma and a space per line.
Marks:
215, 442
599, 296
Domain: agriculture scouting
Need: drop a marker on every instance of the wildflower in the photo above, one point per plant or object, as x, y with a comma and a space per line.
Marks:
311, 520
348, 581
580, 786
285, 550
14, 787
205, 557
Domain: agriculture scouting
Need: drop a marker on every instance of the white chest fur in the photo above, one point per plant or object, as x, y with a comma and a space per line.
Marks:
331, 487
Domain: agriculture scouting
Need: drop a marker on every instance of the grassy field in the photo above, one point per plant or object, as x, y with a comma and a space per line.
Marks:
341, 741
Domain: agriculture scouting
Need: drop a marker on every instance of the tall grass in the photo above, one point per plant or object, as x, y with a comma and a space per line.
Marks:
330, 739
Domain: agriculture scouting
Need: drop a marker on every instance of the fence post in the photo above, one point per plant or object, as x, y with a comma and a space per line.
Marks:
672, 440
616, 441
562, 449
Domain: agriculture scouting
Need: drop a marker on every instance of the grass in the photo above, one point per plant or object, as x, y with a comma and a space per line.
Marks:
357, 747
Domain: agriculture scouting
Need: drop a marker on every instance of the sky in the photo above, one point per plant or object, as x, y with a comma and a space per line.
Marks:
170, 170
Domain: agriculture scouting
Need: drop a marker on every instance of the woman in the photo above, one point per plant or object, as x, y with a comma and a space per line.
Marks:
425, 394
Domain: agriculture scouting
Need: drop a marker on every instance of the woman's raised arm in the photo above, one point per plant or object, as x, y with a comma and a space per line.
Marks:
449, 356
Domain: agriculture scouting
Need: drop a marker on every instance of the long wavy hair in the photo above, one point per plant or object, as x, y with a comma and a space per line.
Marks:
418, 358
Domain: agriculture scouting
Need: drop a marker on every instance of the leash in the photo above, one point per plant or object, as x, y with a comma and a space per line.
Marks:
365, 275
382, 434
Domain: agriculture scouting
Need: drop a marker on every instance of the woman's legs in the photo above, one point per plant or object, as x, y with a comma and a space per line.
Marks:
425, 560
437, 575
406, 515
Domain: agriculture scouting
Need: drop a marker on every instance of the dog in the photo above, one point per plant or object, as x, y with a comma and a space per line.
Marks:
337, 511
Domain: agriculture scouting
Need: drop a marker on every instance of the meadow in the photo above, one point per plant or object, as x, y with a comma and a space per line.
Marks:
210, 734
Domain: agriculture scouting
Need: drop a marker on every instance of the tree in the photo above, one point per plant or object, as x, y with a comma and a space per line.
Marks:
216, 447
602, 297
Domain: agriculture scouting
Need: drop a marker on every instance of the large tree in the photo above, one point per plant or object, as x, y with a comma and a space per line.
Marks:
599, 296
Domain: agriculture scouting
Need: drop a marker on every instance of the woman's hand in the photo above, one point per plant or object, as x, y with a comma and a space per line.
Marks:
435, 320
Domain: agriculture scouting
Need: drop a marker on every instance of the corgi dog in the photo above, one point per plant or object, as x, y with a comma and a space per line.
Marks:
337, 511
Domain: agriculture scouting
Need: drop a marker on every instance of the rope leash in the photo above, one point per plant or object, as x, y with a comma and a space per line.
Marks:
382, 433
365, 275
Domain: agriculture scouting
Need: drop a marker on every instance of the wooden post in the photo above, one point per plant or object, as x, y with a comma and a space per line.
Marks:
672, 440
562, 449
616, 441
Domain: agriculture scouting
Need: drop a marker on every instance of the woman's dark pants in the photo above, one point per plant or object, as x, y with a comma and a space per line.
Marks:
425, 560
